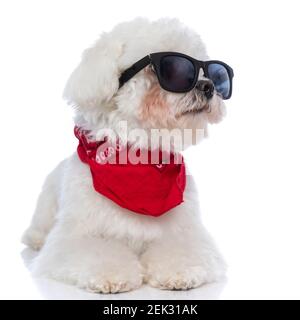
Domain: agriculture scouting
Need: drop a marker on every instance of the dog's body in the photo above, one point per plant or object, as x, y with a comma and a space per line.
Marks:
85, 238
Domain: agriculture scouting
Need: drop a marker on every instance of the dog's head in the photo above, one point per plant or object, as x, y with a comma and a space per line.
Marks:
93, 87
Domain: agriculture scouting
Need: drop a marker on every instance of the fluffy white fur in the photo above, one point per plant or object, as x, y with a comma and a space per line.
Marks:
84, 238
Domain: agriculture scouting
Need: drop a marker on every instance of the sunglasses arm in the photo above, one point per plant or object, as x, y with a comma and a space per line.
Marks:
133, 70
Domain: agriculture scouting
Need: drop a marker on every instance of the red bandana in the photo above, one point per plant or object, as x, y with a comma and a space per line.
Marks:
149, 189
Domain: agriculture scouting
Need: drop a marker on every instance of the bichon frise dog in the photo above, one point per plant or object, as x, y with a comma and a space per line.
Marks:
109, 227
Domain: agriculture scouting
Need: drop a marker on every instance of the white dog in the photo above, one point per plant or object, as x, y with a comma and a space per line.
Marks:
85, 238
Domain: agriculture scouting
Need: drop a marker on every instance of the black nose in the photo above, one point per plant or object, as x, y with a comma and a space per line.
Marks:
207, 87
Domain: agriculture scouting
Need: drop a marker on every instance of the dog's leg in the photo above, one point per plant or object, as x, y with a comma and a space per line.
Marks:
46, 208
81, 248
94, 264
183, 260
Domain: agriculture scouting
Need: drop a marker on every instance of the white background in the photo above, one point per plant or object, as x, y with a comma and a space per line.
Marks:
247, 171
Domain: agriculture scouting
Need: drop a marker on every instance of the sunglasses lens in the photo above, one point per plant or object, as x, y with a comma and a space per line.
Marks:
218, 74
176, 73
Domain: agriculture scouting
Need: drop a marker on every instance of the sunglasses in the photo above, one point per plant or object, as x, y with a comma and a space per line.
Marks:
177, 72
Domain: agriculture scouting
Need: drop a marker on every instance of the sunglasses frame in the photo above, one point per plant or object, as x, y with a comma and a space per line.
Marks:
154, 60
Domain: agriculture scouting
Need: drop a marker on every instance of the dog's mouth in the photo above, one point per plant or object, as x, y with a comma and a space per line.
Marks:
195, 111
195, 104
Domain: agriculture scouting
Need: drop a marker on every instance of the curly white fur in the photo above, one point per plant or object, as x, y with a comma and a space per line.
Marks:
86, 239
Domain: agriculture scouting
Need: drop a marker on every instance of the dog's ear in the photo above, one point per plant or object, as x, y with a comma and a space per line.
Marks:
96, 79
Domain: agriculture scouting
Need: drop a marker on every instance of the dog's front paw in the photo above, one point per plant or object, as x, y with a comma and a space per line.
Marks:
100, 278
111, 283
92, 264
166, 269
191, 277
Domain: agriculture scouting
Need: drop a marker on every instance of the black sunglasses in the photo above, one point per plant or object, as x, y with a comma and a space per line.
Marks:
177, 72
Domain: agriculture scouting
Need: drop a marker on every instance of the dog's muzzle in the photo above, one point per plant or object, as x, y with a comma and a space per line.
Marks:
206, 87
